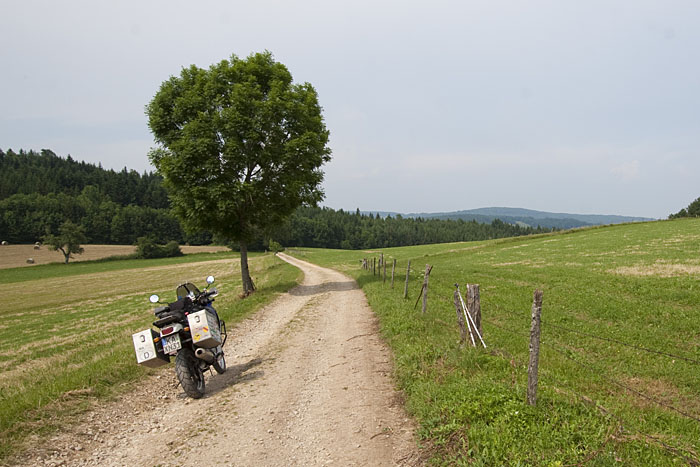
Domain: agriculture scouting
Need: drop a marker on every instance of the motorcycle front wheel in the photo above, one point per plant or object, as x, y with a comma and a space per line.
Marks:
189, 374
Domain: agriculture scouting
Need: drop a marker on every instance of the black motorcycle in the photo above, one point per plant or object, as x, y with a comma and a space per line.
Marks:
190, 329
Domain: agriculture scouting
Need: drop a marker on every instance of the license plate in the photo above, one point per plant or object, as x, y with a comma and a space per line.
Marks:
171, 344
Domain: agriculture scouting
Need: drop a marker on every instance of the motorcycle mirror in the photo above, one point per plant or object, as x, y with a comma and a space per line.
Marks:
154, 298
210, 280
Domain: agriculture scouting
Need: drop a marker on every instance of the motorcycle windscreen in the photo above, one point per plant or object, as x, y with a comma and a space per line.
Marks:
183, 290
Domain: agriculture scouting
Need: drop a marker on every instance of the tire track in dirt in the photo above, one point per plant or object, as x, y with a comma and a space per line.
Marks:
309, 383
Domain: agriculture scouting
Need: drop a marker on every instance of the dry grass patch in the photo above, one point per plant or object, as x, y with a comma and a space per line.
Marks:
658, 269
525, 262
661, 391
13, 256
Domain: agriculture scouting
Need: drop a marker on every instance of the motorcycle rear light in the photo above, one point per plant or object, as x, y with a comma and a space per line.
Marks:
166, 331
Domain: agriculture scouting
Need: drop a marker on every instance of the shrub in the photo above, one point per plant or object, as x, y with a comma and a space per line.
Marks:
147, 248
172, 249
275, 247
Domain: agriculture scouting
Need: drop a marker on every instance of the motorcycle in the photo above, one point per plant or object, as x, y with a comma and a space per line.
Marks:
189, 329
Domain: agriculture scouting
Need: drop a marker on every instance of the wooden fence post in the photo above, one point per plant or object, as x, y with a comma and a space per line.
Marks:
384, 266
474, 305
425, 287
374, 266
405, 287
460, 319
534, 348
393, 268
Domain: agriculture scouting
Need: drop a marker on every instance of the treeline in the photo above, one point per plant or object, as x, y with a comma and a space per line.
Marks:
27, 218
42, 173
693, 210
328, 228
40, 191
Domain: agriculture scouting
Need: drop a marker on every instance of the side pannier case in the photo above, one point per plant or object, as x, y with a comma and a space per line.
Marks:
146, 352
204, 328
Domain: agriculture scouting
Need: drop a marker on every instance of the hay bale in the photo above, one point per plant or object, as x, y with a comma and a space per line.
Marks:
37, 247
4, 242
30, 260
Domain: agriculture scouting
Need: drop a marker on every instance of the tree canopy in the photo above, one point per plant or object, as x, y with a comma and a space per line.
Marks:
241, 147
68, 241
693, 210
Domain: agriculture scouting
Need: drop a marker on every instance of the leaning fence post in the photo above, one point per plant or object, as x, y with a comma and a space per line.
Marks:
393, 268
425, 287
534, 348
474, 305
460, 318
384, 266
405, 287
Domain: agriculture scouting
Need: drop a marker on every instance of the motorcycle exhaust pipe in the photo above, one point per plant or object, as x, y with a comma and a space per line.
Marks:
204, 354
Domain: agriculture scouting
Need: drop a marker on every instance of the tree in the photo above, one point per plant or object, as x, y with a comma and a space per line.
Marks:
68, 241
240, 147
693, 210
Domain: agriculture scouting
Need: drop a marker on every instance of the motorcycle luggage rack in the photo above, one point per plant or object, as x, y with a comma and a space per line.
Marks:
168, 319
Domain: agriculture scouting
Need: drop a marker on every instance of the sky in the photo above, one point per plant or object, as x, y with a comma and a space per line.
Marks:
566, 106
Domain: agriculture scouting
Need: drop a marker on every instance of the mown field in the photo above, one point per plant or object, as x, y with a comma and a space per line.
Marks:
14, 256
602, 399
65, 330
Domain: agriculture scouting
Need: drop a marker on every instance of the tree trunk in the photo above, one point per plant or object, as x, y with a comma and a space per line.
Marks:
248, 286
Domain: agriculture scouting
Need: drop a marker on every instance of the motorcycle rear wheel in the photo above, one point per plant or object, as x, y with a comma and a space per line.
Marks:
219, 363
189, 374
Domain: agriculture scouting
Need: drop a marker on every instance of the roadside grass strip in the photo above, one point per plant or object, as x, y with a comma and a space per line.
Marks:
599, 402
67, 343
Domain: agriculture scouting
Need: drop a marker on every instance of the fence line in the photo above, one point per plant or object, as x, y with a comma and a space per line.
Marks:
564, 350
593, 369
547, 323
600, 373
616, 341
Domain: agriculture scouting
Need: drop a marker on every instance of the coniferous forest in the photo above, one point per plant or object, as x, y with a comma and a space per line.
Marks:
40, 190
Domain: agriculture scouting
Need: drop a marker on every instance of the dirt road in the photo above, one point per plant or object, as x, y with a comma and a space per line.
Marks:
308, 384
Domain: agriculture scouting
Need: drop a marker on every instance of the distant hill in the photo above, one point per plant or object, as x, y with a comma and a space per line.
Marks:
525, 217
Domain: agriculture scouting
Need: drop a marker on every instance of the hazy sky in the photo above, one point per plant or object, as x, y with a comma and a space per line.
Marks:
569, 106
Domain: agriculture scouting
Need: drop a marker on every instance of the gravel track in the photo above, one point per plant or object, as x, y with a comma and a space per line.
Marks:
309, 383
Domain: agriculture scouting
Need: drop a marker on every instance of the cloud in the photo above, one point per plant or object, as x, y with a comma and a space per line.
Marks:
626, 172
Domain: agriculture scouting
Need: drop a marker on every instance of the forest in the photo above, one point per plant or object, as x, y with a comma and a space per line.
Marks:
40, 191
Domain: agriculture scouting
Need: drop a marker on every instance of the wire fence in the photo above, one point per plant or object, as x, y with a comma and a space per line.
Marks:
556, 342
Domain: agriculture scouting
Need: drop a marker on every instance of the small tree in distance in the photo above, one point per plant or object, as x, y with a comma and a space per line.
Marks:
240, 147
68, 241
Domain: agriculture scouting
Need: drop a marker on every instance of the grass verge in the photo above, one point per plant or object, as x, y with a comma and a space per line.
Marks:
599, 402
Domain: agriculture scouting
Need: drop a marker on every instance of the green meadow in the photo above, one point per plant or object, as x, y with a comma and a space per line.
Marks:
65, 333
602, 399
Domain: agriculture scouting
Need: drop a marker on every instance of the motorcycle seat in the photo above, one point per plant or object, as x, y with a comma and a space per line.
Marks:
161, 310
167, 319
